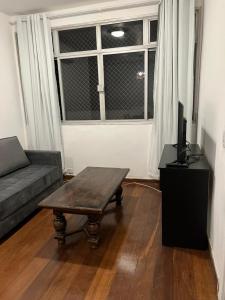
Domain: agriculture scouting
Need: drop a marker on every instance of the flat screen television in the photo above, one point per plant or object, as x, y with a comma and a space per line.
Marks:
181, 135
181, 146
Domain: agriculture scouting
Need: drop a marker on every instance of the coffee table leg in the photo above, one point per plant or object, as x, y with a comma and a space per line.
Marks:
60, 226
119, 196
93, 228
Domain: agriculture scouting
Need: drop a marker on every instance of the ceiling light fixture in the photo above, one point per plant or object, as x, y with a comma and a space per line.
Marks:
117, 33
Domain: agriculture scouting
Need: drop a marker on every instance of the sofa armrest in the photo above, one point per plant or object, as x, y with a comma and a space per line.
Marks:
40, 157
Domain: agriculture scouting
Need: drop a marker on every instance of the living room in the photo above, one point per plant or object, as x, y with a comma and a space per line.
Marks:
93, 91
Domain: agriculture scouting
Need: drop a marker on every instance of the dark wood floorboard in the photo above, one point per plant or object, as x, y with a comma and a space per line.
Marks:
130, 262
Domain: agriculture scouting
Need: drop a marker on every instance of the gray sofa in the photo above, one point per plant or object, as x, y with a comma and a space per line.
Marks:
26, 177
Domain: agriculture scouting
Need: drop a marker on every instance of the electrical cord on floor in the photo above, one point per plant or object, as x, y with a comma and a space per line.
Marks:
141, 184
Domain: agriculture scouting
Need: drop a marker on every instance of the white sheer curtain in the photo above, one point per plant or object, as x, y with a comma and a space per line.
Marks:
173, 75
39, 83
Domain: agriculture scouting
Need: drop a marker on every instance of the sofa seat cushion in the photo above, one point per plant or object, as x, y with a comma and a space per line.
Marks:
19, 187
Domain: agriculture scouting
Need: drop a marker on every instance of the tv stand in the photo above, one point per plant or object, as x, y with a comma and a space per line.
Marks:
184, 199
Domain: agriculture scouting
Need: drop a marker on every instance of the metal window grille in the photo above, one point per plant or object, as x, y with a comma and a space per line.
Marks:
102, 77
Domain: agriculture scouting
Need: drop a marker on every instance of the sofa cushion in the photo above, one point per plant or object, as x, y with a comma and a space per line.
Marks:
12, 156
19, 187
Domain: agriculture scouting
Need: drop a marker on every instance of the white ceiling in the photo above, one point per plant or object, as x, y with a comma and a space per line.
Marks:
14, 7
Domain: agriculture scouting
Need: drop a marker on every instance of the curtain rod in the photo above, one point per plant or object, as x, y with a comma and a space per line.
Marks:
81, 12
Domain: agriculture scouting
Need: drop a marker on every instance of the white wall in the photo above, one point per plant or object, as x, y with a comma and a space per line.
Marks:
106, 145
212, 126
11, 121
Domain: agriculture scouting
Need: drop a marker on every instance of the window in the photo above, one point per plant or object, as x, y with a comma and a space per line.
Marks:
106, 72
153, 30
124, 91
132, 34
80, 80
81, 39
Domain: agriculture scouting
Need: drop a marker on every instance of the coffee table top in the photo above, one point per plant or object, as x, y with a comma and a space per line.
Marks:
89, 191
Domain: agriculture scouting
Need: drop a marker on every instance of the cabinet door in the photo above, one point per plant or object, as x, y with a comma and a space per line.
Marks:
184, 207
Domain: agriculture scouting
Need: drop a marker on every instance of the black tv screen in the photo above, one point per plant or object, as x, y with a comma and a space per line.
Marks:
181, 135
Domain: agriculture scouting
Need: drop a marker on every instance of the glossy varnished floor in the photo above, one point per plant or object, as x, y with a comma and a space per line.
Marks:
130, 262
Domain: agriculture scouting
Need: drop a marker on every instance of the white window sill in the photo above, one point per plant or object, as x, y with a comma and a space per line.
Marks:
111, 122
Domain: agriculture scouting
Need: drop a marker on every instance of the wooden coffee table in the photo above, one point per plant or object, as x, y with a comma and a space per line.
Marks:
88, 194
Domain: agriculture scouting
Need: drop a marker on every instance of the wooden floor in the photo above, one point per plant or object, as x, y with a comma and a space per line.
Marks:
130, 262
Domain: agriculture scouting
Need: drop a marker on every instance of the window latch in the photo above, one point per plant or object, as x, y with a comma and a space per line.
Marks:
100, 88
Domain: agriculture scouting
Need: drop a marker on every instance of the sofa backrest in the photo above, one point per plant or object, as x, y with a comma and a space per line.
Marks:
12, 156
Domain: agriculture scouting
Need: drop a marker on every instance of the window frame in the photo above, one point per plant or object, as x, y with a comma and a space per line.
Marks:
99, 52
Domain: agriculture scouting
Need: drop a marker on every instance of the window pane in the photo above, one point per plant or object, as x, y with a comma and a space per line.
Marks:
81, 39
80, 80
124, 86
151, 69
122, 34
153, 30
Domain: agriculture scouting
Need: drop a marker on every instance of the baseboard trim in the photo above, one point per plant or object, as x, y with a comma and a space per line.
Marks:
67, 177
214, 267
150, 182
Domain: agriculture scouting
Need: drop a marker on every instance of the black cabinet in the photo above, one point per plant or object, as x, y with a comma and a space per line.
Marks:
184, 200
